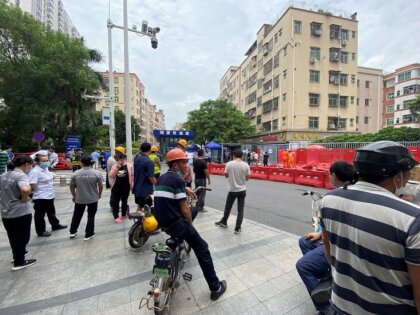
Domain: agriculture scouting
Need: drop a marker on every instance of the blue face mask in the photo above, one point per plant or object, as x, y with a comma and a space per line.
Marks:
28, 171
44, 165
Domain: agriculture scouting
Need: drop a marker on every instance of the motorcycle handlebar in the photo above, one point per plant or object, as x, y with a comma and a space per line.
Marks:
201, 188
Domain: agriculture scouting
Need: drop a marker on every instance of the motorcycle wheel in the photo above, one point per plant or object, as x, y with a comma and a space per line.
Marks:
164, 297
138, 237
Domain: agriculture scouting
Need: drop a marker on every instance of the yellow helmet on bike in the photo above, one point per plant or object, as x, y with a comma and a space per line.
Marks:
150, 224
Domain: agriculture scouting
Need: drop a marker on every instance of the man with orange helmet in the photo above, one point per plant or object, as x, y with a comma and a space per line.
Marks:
175, 218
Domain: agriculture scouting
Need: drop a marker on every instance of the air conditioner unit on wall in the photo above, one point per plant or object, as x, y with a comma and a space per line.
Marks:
313, 60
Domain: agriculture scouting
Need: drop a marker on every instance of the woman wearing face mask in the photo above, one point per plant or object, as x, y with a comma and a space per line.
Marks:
16, 212
121, 179
42, 183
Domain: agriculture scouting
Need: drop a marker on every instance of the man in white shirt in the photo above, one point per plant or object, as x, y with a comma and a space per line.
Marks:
237, 172
42, 183
53, 157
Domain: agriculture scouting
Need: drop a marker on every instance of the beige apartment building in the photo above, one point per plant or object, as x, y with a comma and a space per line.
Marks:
147, 114
298, 81
369, 100
400, 88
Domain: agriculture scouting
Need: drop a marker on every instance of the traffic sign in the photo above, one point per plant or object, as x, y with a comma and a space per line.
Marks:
38, 136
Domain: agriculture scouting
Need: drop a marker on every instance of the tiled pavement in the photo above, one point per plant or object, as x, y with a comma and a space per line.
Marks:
104, 276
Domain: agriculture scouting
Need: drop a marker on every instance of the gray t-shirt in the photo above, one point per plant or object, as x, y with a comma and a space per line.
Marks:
237, 171
86, 181
11, 205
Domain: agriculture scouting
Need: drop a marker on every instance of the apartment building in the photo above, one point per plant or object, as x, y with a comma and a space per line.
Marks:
51, 13
298, 81
400, 88
146, 113
369, 100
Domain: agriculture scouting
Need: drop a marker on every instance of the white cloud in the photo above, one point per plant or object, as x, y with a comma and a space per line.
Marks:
199, 39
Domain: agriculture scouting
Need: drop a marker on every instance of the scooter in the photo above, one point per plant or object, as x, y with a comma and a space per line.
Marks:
137, 236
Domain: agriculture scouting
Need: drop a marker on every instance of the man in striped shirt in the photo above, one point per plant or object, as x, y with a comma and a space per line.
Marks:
372, 237
174, 216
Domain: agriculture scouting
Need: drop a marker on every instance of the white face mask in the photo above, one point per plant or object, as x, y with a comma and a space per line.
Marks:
400, 191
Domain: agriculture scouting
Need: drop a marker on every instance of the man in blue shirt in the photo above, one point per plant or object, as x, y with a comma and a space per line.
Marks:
174, 216
144, 176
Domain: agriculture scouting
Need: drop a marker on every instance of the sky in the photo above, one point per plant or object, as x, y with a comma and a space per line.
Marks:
200, 39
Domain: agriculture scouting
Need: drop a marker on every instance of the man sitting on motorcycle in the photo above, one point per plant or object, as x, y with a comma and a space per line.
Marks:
313, 265
174, 217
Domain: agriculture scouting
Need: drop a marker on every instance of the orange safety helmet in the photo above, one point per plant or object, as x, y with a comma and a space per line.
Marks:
176, 154
154, 148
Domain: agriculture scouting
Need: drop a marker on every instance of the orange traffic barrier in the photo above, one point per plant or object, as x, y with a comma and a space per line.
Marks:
310, 178
258, 172
280, 174
217, 169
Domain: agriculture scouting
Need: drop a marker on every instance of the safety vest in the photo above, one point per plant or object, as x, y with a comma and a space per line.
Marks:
75, 160
153, 158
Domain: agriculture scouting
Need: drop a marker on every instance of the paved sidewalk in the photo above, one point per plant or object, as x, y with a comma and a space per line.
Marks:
104, 276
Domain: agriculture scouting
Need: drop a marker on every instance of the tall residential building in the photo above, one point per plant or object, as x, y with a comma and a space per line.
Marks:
147, 114
369, 100
298, 79
400, 88
51, 13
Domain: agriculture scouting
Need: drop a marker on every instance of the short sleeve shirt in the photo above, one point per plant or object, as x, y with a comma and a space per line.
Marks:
237, 171
11, 206
143, 169
169, 190
199, 166
43, 180
86, 181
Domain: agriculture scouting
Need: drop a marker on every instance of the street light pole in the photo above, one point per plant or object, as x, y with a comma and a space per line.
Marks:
111, 90
127, 100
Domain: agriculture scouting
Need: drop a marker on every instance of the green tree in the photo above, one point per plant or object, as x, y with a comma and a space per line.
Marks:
42, 74
220, 121
415, 108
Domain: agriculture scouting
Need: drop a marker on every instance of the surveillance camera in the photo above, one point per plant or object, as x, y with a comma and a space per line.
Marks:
157, 30
154, 42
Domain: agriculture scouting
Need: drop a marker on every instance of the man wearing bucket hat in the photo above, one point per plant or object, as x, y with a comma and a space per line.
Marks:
175, 218
372, 237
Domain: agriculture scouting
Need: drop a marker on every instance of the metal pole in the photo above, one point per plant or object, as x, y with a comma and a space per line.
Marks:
111, 90
127, 99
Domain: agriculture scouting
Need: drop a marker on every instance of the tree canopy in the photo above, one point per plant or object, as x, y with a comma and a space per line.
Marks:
220, 121
415, 108
42, 74
388, 133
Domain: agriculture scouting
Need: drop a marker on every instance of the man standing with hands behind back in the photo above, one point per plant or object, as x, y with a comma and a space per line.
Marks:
237, 172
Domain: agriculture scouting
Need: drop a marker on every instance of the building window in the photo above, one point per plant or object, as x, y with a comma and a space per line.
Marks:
267, 87
332, 100
313, 76
280, 32
313, 99
285, 50
389, 121
343, 101
353, 56
284, 74
334, 77
313, 122
367, 84
344, 36
116, 90
342, 123
390, 83
353, 78
406, 104
367, 102
398, 93
297, 27
276, 82
276, 60
284, 97
258, 119
116, 99
115, 80
390, 109
332, 123
353, 34
352, 100
415, 88
404, 76
276, 36
343, 78
344, 57
390, 96
358, 83
408, 118
316, 29
315, 53
366, 120
268, 67
334, 31
334, 54
357, 119
283, 121
259, 101
275, 124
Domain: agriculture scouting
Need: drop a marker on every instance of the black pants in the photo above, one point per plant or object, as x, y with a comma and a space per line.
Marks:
42, 207
118, 195
201, 195
19, 232
79, 209
183, 230
240, 195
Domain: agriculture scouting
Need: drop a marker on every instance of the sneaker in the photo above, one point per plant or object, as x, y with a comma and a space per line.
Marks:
221, 224
125, 217
26, 254
87, 238
59, 227
73, 235
322, 293
237, 230
117, 220
216, 294
26, 263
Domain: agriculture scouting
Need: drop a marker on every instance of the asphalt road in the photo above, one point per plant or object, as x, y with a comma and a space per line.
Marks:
278, 205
